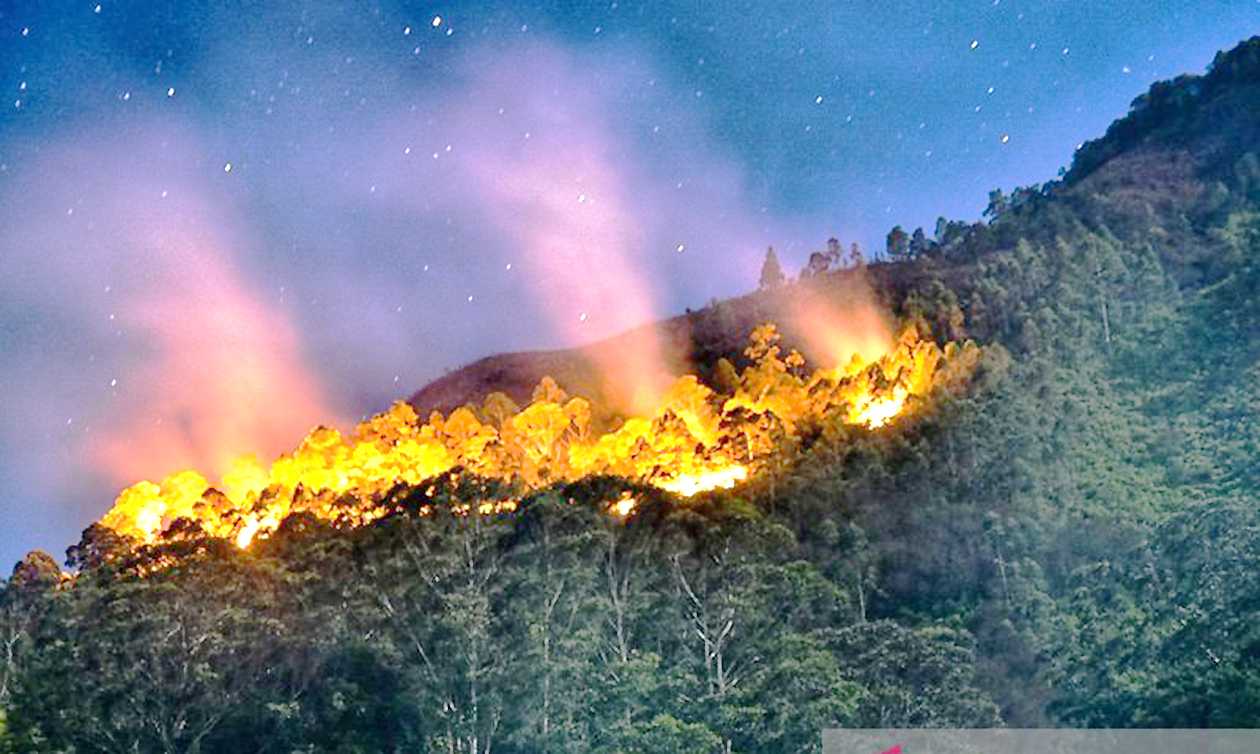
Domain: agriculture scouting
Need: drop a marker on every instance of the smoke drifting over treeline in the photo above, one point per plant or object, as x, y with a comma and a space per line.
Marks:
223, 290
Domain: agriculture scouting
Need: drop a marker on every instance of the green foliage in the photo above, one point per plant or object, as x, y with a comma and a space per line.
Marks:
1167, 636
897, 245
1169, 105
913, 679
662, 734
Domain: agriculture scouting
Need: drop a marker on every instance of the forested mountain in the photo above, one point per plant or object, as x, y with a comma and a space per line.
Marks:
1070, 538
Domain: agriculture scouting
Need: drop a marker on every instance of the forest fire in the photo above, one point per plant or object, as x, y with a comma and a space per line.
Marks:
624, 506
877, 412
699, 439
688, 485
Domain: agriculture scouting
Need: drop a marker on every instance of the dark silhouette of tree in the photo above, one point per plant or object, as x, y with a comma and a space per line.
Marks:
918, 243
771, 273
898, 244
835, 252
997, 204
818, 264
21, 603
855, 259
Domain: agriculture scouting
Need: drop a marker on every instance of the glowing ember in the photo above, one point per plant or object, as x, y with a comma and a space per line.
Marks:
496, 506
246, 534
249, 529
697, 440
687, 485
624, 506
880, 411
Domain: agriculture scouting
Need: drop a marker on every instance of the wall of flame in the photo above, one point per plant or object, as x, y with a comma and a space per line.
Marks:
696, 440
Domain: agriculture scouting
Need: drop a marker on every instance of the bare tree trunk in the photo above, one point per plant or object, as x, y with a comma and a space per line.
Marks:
1106, 319
1104, 314
719, 677
861, 595
618, 586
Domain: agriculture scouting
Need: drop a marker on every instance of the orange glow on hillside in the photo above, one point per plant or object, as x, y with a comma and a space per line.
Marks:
688, 485
624, 506
877, 412
696, 441
841, 323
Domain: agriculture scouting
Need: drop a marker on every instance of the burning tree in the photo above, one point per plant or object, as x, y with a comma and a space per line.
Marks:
697, 440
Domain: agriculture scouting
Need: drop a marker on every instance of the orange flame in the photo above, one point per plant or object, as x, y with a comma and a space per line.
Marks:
688, 485
840, 321
877, 412
624, 506
698, 440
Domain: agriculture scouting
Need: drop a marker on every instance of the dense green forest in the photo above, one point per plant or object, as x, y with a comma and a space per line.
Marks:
1074, 540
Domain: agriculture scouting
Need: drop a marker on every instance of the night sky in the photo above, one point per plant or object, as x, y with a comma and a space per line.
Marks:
222, 223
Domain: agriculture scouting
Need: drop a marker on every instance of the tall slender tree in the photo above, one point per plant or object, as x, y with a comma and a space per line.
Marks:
771, 272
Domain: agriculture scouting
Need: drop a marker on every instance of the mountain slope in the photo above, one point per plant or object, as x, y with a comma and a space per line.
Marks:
1170, 158
691, 344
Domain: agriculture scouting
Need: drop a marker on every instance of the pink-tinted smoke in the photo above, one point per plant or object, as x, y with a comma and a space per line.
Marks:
183, 363
838, 318
605, 218
223, 375
567, 207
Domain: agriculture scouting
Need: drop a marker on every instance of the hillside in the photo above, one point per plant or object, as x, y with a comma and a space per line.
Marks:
1066, 532
691, 344
1141, 182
